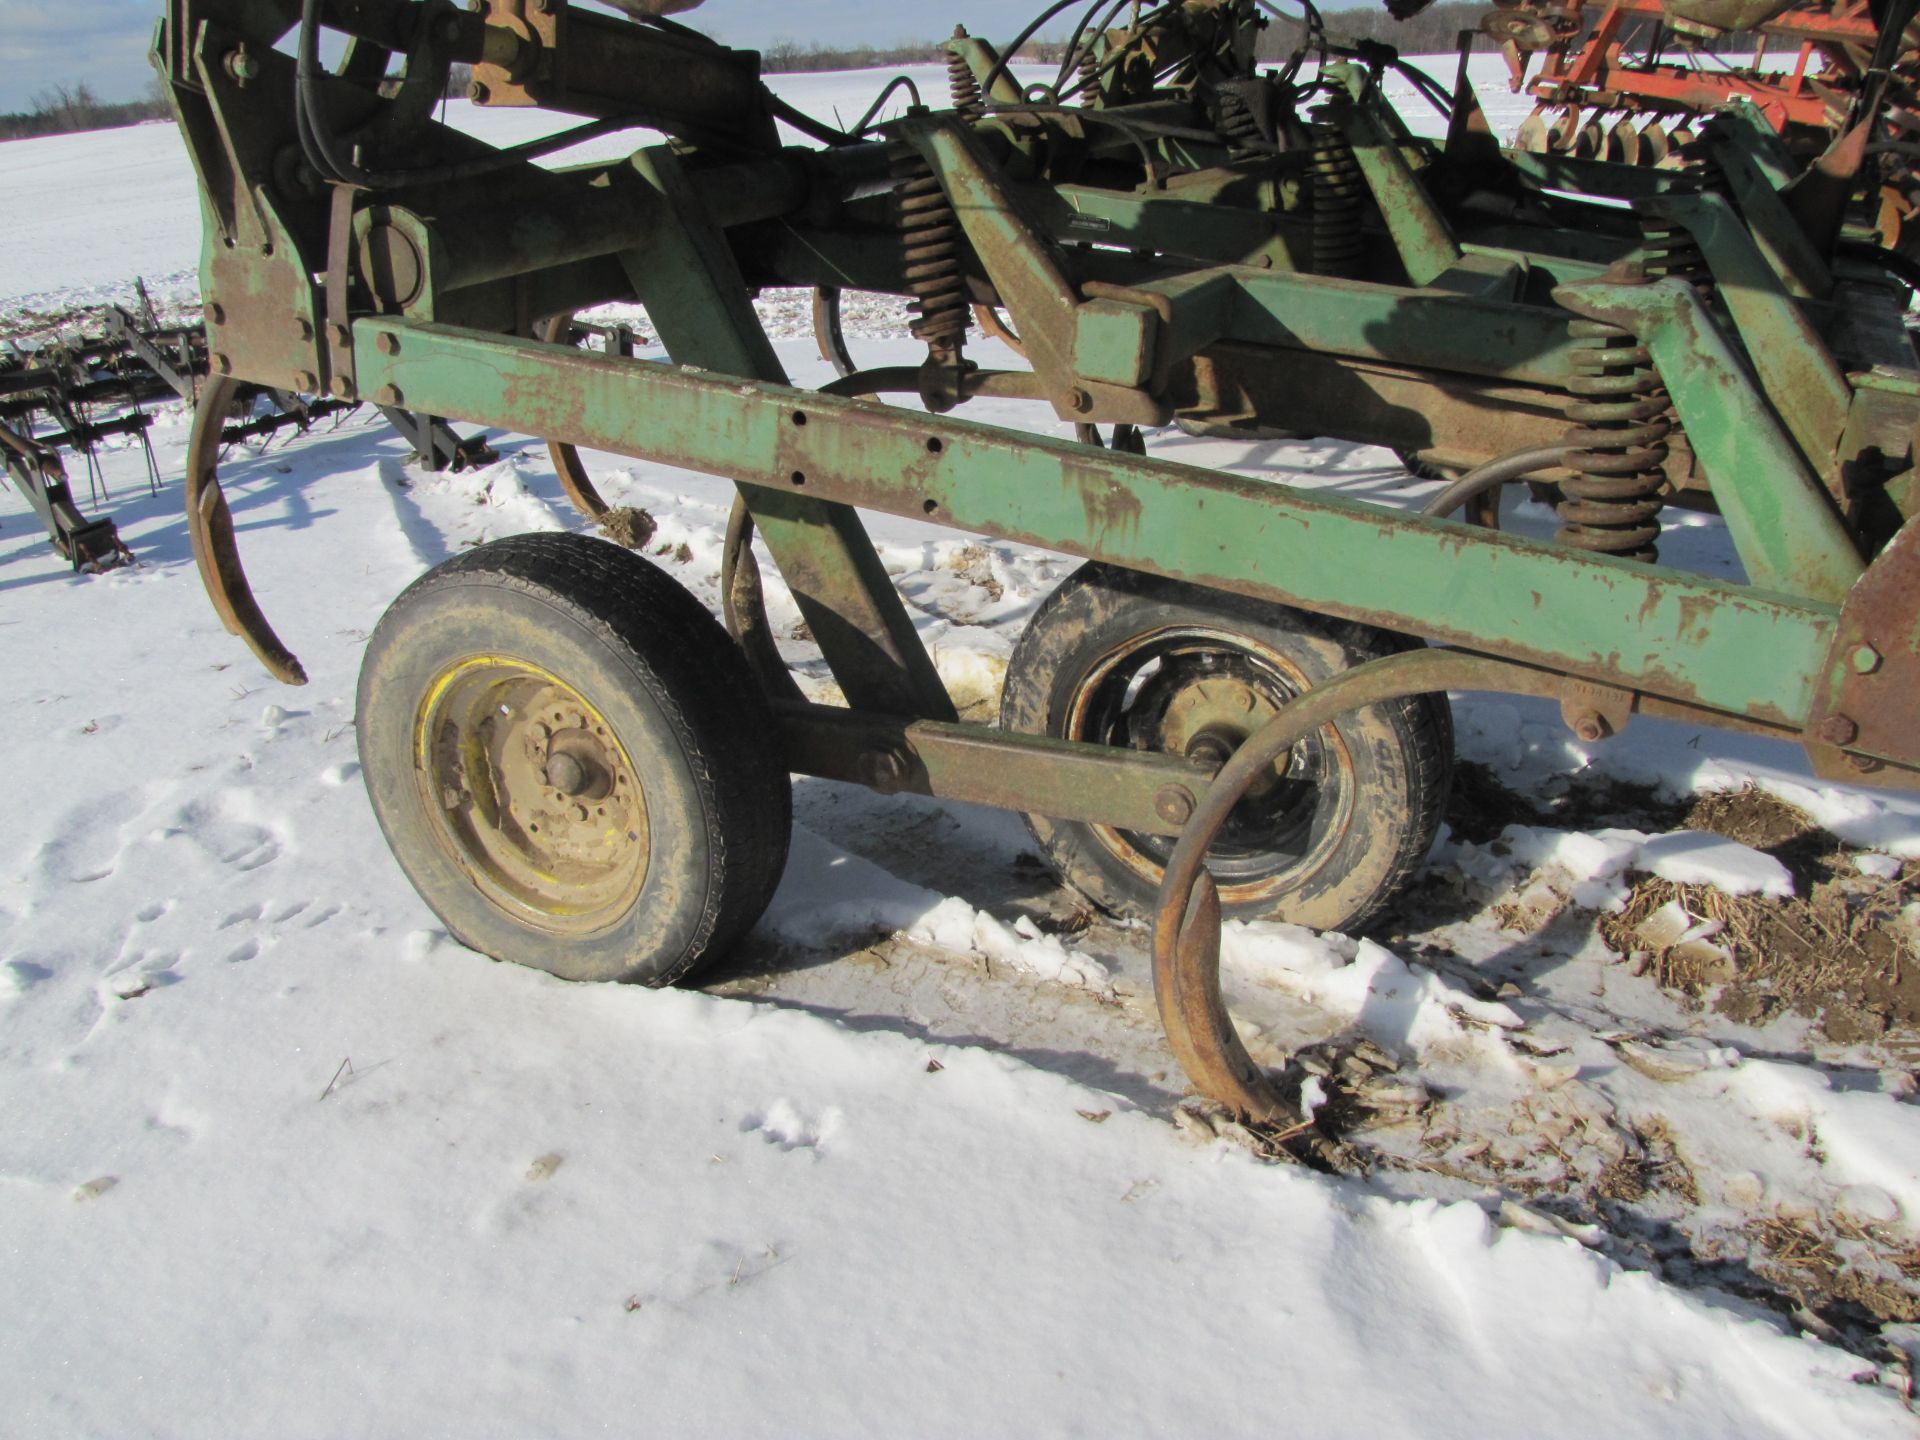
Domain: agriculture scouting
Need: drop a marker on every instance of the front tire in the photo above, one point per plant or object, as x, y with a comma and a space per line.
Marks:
572, 762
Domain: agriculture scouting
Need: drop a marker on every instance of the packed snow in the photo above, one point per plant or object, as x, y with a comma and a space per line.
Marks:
282, 1158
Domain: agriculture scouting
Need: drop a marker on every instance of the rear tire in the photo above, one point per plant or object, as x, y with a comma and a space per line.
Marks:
572, 762
1118, 657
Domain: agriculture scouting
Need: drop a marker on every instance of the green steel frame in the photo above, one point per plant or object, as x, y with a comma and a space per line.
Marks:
1164, 254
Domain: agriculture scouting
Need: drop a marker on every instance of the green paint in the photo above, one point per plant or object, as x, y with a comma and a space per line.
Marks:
1726, 646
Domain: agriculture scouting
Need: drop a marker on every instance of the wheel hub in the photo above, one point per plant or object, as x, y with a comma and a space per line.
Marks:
1203, 695
538, 801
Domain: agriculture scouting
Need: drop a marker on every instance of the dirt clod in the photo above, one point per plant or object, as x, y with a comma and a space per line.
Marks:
627, 526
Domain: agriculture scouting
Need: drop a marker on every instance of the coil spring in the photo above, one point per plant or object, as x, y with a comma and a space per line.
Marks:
1671, 250
1089, 79
930, 237
962, 85
1237, 124
1337, 188
1620, 428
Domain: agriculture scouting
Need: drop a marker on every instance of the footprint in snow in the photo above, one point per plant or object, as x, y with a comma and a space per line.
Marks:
784, 1126
19, 976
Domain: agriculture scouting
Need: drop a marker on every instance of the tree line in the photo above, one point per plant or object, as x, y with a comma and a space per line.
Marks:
1434, 31
66, 108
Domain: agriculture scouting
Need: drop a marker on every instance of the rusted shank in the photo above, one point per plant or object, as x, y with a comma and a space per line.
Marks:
210, 524
1186, 928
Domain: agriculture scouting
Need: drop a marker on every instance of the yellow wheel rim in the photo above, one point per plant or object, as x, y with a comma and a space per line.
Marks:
528, 789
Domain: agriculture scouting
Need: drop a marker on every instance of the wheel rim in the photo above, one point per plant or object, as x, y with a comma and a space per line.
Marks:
528, 789
1202, 693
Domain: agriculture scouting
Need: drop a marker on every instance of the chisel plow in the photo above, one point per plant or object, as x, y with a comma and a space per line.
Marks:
1237, 706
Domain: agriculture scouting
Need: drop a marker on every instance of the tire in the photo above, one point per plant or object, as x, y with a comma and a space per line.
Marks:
572, 762
1123, 658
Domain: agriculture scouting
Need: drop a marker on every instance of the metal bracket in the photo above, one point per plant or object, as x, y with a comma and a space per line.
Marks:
1873, 666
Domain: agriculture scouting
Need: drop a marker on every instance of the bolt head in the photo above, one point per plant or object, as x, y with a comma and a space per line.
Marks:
477, 93
389, 395
1866, 659
1079, 401
1591, 726
1173, 804
387, 343
303, 330
338, 334
1838, 730
306, 382
216, 313
223, 364
340, 388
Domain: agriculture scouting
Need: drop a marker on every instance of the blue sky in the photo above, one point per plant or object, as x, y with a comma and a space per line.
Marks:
44, 43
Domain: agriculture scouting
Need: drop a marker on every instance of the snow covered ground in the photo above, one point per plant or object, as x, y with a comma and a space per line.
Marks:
278, 1157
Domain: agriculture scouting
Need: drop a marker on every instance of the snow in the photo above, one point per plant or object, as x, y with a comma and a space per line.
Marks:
1361, 983
1688, 857
282, 1158
1590, 865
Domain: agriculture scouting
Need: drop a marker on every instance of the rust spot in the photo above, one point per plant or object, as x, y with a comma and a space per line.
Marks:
1111, 509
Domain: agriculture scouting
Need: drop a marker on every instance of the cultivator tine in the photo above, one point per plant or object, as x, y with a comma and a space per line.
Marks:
1186, 927
210, 525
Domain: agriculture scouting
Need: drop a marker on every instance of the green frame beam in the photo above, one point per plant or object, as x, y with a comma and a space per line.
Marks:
1682, 637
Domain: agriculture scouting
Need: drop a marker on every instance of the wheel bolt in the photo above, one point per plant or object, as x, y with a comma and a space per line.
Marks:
1591, 725
1173, 804
1838, 730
